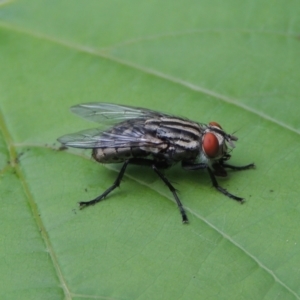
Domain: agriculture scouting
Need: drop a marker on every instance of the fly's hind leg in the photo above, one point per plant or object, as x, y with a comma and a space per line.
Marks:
110, 189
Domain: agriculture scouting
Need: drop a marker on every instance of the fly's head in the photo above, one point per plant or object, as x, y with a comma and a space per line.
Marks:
214, 146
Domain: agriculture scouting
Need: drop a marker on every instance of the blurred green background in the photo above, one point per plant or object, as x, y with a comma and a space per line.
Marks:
234, 62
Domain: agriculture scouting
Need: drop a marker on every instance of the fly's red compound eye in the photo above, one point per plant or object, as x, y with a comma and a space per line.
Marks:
215, 124
210, 144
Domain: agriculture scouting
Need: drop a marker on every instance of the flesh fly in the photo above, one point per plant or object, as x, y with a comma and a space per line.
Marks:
139, 136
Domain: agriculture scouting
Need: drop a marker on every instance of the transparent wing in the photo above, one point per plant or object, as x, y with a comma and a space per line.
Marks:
107, 113
84, 139
97, 138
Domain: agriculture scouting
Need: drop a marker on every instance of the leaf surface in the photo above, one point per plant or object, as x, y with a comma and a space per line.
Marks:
233, 62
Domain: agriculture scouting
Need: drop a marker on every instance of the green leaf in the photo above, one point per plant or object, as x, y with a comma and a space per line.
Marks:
234, 62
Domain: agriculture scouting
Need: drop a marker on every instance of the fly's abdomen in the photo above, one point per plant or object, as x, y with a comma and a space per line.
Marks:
129, 139
116, 155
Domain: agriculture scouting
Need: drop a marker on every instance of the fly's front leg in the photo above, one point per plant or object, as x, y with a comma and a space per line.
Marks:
220, 189
193, 167
110, 189
238, 168
189, 166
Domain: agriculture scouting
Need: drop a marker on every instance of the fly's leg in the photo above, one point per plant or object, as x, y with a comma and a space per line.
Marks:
173, 190
143, 162
220, 189
238, 168
189, 166
110, 189
193, 167
155, 166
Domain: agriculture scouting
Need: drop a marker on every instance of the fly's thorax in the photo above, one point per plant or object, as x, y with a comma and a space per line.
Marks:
214, 142
172, 128
153, 145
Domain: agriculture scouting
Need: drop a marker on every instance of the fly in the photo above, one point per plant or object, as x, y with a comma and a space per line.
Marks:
139, 136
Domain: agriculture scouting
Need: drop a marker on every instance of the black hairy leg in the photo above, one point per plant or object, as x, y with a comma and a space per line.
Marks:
142, 162
110, 189
238, 168
189, 166
156, 166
